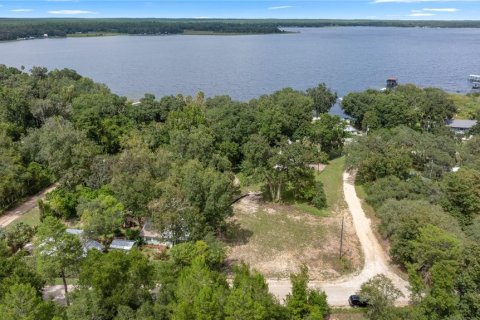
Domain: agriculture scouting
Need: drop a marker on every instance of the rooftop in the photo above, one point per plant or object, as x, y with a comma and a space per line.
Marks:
122, 244
77, 232
461, 124
92, 244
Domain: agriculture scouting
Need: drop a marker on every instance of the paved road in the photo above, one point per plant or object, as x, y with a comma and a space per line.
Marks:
13, 214
376, 260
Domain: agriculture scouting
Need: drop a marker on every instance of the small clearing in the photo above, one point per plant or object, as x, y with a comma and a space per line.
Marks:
276, 239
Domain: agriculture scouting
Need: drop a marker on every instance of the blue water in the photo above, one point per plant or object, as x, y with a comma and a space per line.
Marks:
346, 59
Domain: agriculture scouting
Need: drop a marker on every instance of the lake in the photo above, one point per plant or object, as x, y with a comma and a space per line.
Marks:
247, 66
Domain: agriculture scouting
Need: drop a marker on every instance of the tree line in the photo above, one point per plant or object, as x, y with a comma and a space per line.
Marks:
13, 28
171, 160
424, 184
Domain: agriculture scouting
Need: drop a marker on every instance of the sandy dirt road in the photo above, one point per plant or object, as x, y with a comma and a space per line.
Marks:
376, 260
11, 215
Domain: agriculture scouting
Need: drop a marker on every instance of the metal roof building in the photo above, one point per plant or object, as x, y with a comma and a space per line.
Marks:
126, 245
77, 232
461, 126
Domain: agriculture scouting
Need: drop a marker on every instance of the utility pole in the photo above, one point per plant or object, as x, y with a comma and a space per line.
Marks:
341, 237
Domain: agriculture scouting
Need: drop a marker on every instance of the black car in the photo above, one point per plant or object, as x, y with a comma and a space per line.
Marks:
357, 301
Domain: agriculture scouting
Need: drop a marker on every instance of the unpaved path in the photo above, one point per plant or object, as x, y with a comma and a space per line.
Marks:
376, 260
11, 215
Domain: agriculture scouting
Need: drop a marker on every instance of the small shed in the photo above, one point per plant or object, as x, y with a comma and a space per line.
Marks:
392, 82
149, 235
76, 232
351, 130
92, 244
119, 244
461, 126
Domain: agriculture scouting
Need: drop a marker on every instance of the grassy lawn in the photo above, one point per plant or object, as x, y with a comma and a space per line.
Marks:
59, 281
332, 180
347, 314
468, 105
32, 218
277, 238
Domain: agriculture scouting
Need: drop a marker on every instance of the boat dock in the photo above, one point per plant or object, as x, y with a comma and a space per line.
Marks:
474, 79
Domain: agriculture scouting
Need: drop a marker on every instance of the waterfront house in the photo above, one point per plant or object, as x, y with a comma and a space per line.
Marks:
461, 126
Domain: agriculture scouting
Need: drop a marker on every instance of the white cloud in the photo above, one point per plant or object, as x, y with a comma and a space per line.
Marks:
21, 10
280, 7
417, 1
419, 14
71, 12
441, 9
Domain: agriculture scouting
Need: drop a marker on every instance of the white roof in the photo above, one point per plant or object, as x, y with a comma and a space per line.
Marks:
461, 124
77, 232
92, 244
122, 244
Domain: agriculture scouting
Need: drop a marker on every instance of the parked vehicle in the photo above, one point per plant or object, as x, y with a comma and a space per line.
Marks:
356, 301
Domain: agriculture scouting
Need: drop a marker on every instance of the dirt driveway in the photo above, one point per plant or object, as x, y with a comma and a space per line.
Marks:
376, 259
11, 215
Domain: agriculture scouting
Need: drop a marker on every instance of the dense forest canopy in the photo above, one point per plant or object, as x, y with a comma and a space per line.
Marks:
172, 161
13, 28
176, 161
424, 184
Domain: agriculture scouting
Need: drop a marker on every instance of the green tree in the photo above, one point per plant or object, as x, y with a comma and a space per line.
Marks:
323, 98
114, 279
320, 199
135, 175
23, 303
249, 297
14, 270
195, 200
329, 132
200, 293
102, 117
102, 216
381, 295
66, 151
467, 282
18, 235
57, 252
283, 168
304, 303
60, 203
285, 113
462, 194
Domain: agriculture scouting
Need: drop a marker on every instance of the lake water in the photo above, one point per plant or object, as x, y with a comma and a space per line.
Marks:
346, 59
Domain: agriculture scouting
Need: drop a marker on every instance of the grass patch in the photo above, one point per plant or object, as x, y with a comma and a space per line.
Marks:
276, 231
32, 218
305, 207
59, 281
467, 105
276, 239
332, 180
347, 314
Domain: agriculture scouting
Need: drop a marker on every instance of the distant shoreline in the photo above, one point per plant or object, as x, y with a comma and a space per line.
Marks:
15, 28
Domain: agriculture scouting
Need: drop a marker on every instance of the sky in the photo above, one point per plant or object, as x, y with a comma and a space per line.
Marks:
301, 9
